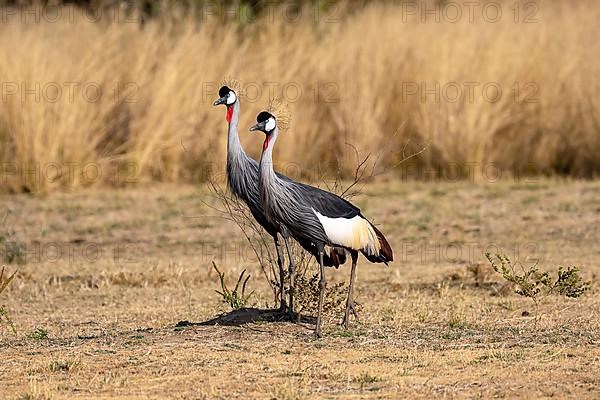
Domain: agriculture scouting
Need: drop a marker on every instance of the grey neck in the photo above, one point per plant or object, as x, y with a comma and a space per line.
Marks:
234, 147
267, 174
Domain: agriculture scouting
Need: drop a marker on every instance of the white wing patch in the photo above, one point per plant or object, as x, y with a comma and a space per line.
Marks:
355, 233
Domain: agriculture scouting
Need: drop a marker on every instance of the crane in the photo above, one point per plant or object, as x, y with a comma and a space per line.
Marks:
316, 216
242, 180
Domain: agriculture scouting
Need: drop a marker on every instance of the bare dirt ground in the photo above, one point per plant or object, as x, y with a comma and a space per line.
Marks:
108, 274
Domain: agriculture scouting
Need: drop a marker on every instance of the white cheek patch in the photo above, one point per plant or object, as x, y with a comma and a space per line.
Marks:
270, 125
231, 98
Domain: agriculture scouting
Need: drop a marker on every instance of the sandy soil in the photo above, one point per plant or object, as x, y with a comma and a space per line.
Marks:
108, 274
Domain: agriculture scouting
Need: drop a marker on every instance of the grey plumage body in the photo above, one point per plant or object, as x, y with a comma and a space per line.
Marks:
292, 206
315, 216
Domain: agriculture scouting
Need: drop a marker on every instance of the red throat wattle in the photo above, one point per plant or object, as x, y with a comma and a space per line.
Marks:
229, 113
266, 143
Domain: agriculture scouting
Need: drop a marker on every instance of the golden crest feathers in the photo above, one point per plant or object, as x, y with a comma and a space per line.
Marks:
281, 112
236, 86
232, 84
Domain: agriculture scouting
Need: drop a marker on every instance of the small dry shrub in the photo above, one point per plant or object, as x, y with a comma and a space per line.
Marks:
38, 334
235, 299
532, 283
307, 295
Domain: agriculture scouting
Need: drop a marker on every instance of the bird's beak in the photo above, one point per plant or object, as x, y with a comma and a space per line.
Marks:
222, 100
258, 127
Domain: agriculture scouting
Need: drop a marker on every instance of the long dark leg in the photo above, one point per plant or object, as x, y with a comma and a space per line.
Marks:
322, 284
350, 300
292, 274
282, 305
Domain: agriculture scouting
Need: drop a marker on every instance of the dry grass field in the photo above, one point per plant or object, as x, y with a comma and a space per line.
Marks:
98, 319
518, 89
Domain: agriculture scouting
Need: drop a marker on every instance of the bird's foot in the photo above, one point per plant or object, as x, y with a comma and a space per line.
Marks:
283, 309
291, 314
350, 307
318, 332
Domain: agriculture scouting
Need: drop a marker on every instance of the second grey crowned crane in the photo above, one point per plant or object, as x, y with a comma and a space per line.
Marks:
242, 179
316, 216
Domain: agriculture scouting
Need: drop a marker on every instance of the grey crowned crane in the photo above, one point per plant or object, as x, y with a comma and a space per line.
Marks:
316, 216
242, 179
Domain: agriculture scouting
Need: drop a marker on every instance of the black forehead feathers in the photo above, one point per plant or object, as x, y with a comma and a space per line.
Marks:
224, 91
263, 116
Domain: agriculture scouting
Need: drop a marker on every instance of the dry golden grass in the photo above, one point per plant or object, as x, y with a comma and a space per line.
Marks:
432, 325
364, 62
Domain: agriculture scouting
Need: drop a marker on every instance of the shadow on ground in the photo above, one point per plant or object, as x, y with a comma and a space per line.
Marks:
249, 315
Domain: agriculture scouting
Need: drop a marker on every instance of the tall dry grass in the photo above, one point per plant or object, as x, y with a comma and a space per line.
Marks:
365, 62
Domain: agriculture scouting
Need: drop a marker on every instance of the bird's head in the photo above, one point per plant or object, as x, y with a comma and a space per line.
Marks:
266, 123
228, 97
